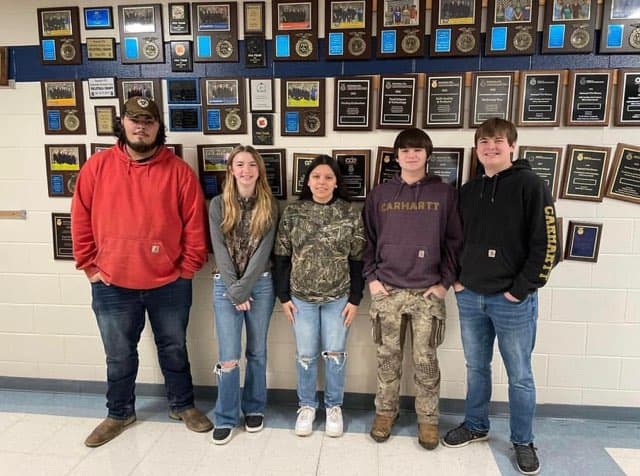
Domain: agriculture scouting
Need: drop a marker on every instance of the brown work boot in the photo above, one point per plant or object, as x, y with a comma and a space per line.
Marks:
428, 436
194, 419
107, 430
381, 428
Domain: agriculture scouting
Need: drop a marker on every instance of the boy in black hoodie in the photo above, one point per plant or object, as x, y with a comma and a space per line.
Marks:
410, 260
510, 246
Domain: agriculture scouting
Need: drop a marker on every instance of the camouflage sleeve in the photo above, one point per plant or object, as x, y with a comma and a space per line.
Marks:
358, 239
282, 245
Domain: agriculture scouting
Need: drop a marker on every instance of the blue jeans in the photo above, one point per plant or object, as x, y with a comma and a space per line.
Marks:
482, 319
120, 313
320, 326
229, 331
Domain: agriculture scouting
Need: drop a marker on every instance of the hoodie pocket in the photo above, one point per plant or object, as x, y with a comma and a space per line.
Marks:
491, 262
125, 256
410, 262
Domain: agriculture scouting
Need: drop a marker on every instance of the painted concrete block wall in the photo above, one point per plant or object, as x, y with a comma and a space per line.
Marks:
589, 323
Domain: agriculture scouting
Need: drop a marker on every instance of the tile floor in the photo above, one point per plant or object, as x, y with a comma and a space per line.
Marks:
42, 434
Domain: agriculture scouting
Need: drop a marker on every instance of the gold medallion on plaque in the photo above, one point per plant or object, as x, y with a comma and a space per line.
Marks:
304, 47
71, 121
71, 183
522, 40
311, 122
410, 43
150, 50
465, 42
67, 51
356, 45
224, 49
634, 38
579, 38
232, 120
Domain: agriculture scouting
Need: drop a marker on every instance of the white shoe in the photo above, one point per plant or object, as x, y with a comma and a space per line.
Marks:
333, 426
304, 423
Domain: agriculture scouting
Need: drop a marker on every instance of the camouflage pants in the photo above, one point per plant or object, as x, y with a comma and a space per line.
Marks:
391, 315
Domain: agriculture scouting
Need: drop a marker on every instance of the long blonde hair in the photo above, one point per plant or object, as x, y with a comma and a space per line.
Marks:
262, 214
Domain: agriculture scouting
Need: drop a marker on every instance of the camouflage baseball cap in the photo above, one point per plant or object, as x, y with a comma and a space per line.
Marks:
139, 106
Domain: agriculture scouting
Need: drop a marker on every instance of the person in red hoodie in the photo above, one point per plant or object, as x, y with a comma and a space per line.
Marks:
138, 223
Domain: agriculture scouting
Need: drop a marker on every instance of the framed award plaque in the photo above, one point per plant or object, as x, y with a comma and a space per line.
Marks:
355, 168
63, 165
491, 95
348, 29
398, 101
261, 94
101, 49
100, 88
185, 110
583, 241
105, 120
444, 101
447, 163
353, 105
295, 30
4, 66
62, 242
401, 28
98, 18
624, 182
224, 108
628, 98
212, 167
262, 132
584, 172
146, 88
569, 26
141, 36
216, 32
455, 27
545, 162
179, 19
275, 163
620, 27
386, 165
255, 44
181, 58
300, 164
539, 99
99, 147
512, 26
59, 33
63, 107
587, 103
302, 106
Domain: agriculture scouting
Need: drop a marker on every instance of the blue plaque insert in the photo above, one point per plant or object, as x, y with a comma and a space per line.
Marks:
53, 120
443, 40
499, 38
388, 41
336, 44
291, 122
131, 48
57, 184
614, 36
584, 241
97, 18
210, 185
204, 46
556, 36
213, 119
283, 49
49, 50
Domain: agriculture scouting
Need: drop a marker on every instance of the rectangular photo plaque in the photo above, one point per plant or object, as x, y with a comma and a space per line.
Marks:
584, 172
146, 88
63, 107
569, 26
59, 33
624, 177
141, 34
98, 18
348, 29
295, 30
620, 27
224, 106
63, 163
455, 28
302, 107
212, 167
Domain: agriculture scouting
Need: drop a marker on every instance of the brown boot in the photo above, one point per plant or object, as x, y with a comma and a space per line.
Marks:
428, 436
107, 430
194, 419
381, 428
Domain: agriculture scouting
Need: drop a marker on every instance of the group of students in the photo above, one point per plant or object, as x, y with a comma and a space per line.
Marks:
493, 242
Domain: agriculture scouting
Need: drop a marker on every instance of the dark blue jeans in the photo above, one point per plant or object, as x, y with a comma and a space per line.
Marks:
120, 313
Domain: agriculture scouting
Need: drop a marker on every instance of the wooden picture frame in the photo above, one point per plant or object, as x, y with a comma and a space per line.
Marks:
539, 99
545, 162
627, 112
588, 98
584, 172
444, 100
486, 86
275, 162
568, 29
353, 104
455, 29
512, 27
583, 241
302, 106
398, 100
622, 182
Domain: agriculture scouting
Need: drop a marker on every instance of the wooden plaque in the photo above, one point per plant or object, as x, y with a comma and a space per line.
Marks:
356, 171
353, 107
628, 98
584, 172
624, 182
569, 26
444, 101
141, 34
224, 109
295, 30
302, 110
216, 32
620, 27
301, 162
105, 120
63, 166
59, 33
447, 163
101, 49
179, 18
62, 241
398, 101
255, 44
545, 162
539, 98
146, 88
348, 29
63, 107
212, 167
512, 27
588, 98
583, 241
275, 162
386, 165
491, 95
401, 28
4, 66
455, 27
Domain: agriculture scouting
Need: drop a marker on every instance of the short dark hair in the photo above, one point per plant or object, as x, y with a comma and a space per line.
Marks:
413, 137
497, 127
340, 190
120, 134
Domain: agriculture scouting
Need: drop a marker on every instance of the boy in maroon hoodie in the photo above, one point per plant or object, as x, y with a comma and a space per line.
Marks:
414, 237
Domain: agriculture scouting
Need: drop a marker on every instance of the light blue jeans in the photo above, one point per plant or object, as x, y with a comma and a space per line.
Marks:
482, 319
319, 329
228, 323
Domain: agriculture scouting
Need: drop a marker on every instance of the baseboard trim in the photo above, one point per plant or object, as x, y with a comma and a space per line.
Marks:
358, 401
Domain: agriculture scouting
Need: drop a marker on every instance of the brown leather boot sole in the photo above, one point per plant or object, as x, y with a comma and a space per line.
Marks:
381, 428
428, 436
107, 430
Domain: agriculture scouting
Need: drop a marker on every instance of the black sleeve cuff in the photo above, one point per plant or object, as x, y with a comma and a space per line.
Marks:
282, 281
356, 279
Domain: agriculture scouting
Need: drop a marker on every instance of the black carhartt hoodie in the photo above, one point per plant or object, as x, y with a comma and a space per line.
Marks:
509, 225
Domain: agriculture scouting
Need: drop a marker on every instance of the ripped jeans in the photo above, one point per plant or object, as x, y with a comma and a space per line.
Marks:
229, 323
320, 332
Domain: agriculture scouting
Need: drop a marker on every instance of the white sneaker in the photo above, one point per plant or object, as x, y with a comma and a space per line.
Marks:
333, 426
304, 423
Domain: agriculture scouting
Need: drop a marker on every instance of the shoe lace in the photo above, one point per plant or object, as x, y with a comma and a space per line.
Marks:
526, 453
334, 414
306, 413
